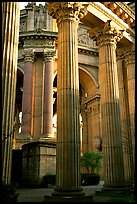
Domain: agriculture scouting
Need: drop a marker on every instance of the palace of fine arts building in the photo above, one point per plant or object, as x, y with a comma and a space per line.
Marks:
68, 89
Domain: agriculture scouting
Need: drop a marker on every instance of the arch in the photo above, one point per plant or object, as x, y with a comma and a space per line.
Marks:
87, 81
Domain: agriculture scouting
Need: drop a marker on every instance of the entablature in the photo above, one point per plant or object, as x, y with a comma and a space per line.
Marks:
98, 14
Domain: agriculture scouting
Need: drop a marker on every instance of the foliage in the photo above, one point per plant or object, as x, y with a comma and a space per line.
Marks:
92, 161
9, 193
48, 181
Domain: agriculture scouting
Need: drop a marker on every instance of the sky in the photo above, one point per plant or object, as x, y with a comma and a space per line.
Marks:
23, 4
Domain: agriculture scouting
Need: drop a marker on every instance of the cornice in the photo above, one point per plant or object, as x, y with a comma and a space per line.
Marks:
38, 39
110, 15
88, 51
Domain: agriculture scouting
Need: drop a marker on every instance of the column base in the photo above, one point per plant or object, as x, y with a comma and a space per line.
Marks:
46, 137
115, 189
68, 192
68, 195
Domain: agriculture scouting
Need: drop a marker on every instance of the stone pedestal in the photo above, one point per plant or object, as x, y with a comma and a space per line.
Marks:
106, 38
68, 182
10, 37
38, 159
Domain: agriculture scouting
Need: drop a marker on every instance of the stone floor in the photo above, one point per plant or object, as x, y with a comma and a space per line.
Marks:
39, 194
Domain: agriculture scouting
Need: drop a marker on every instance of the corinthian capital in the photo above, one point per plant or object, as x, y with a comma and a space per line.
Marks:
49, 55
129, 54
29, 55
68, 10
106, 34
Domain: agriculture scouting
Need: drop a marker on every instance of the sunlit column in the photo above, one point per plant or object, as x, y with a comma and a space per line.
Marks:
68, 182
10, 37
107, 37
129, 58
125, 123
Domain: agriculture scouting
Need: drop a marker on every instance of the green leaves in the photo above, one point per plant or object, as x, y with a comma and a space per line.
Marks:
92, 160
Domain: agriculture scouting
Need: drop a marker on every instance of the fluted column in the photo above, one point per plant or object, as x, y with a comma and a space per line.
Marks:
129, 58
48, 94
68, 125
85, 128
10, 36
107, 37
125, 125
27, 93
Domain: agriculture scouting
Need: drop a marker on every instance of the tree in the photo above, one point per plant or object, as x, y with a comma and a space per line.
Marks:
92, 161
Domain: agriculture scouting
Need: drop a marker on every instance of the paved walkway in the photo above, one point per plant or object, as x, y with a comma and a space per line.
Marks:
37, 194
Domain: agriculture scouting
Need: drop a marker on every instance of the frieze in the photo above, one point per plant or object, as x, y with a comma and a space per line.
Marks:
84, 38
23, 26
38, 42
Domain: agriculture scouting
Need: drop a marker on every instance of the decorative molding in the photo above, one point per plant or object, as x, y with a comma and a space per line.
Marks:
29, 55
68, 10
106, 34
49, 55
127, 53
99, 6
84, 38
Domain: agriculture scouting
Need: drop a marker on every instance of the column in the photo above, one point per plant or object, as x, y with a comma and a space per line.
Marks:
125, 125
48, 94
130, 68
68, 182
107, 37
10, 37
27, 93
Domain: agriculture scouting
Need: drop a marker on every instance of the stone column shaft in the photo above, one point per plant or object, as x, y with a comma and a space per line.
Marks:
130, 67
48, 94
126, 136
10, 31
110, 108
68, 180
27, 93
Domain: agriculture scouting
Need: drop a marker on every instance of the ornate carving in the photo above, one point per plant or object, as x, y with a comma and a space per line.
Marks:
92, 110
29, 55
23, 26
106, 34
67, 10
129, 54
84, 38
38, 42
21, 54
49, 55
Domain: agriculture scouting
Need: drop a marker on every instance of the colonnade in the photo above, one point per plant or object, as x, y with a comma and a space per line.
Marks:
111, 89
37, 103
